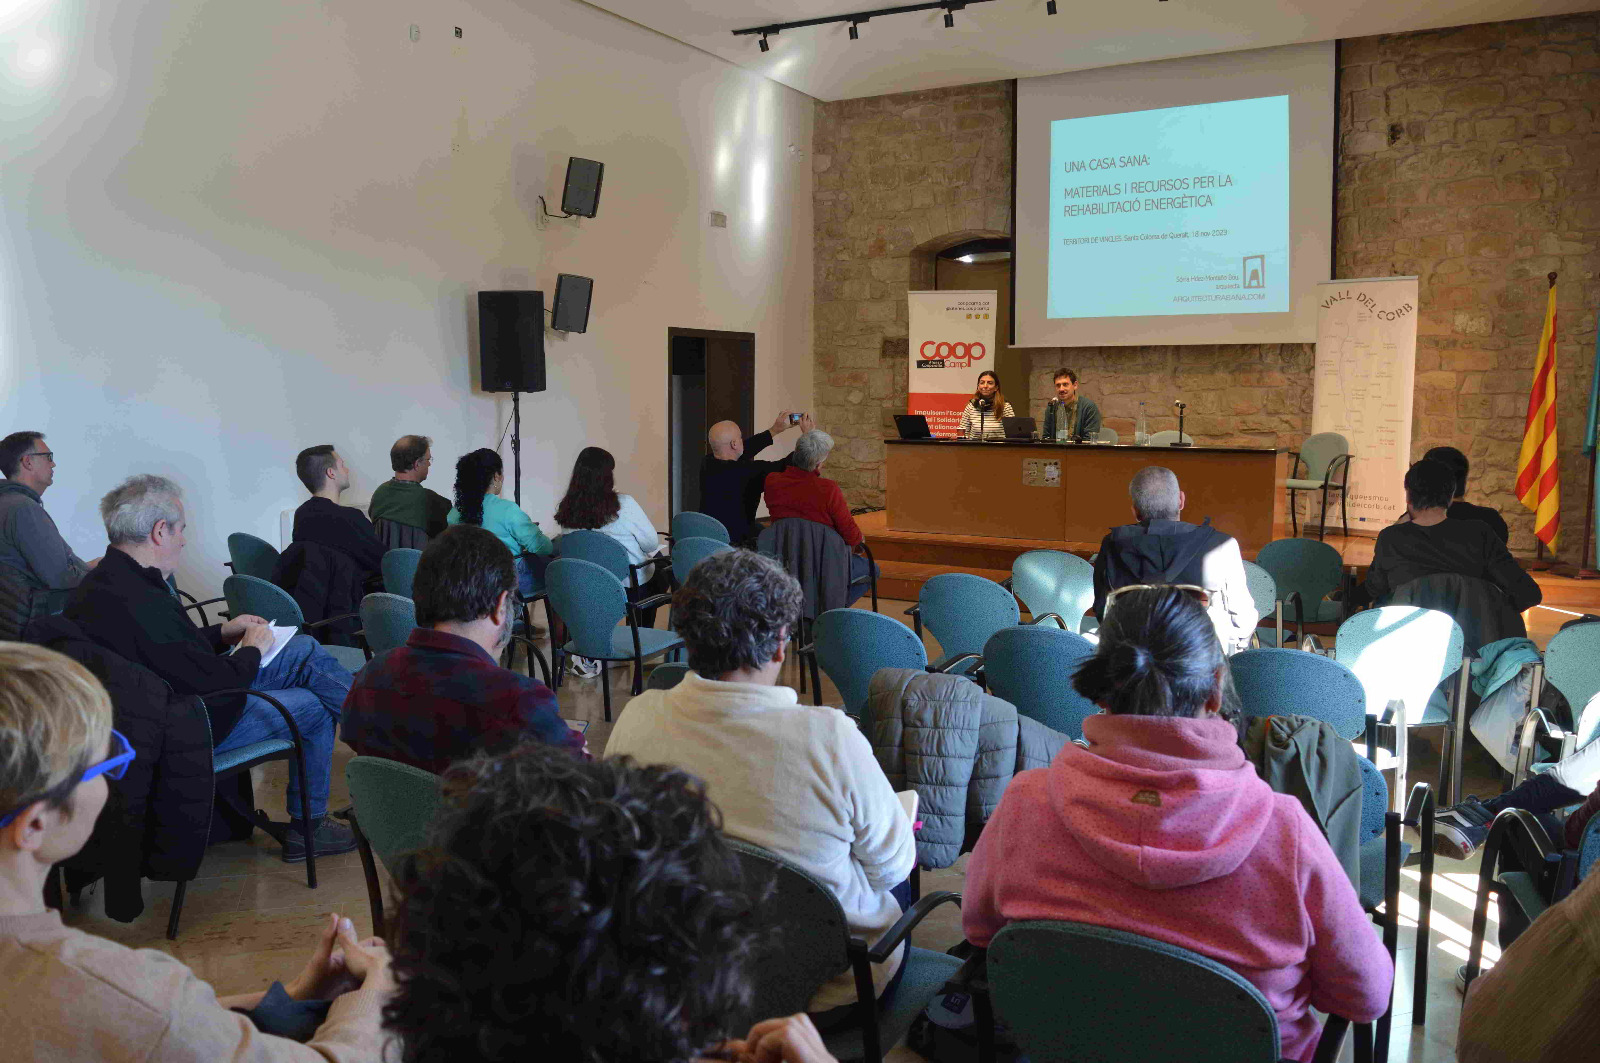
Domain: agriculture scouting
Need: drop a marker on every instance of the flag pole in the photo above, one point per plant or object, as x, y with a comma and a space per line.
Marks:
1540, 562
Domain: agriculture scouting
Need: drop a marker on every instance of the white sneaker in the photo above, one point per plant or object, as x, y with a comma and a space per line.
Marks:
583, 667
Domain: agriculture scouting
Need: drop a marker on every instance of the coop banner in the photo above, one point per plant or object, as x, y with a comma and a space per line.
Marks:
952, 341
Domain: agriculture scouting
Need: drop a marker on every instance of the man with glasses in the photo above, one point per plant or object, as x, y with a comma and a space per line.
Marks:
30, 543
1161, 549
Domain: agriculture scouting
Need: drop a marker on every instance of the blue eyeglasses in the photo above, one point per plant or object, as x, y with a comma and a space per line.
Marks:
114, 767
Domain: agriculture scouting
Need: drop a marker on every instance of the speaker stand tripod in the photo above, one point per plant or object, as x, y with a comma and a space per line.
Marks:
516, 446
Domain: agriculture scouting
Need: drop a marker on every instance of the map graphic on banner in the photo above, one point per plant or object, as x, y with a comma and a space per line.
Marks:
952, 341
1365, 372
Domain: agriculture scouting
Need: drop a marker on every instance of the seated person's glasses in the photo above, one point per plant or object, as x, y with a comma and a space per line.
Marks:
114, 767
1199, 594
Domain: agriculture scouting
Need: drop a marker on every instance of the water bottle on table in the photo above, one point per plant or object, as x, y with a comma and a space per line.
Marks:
1141, 431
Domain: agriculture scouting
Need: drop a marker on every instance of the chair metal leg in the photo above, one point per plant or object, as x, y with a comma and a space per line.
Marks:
177, 911
605, 685
369, 868
305, 815
1294, 513
1322, 524
1344, 514
1419, 992
867, 1008
1363, 1042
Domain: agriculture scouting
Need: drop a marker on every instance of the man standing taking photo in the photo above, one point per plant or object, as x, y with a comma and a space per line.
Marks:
731, 477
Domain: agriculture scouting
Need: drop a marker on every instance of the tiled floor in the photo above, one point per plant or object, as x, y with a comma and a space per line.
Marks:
249, 918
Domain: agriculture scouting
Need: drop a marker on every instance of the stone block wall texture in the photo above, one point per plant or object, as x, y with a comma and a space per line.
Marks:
1469, 157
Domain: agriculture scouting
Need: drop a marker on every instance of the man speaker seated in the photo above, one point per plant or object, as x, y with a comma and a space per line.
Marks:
442, 696
126, 606
731, 477
403, 499
322, 520
1162, 549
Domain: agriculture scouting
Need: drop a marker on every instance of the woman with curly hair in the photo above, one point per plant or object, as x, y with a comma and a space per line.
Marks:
1161, 827
480, 476
593, 504
584, 912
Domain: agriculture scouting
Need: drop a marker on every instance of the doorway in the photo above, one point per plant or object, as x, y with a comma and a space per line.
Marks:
711, 377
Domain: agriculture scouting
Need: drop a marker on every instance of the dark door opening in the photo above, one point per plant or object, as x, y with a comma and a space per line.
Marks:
711, 377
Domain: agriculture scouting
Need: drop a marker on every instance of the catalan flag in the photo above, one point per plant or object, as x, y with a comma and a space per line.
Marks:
1538, 475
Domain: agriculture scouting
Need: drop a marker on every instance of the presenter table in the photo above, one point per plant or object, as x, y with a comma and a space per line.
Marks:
1074, 493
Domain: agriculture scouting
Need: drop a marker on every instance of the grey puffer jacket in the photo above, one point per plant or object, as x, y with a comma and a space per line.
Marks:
957, 747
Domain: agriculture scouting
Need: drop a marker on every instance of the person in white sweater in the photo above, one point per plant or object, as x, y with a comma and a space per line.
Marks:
982, 417
592, 503
797, 779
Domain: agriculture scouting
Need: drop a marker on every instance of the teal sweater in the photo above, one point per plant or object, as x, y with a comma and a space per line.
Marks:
510, 525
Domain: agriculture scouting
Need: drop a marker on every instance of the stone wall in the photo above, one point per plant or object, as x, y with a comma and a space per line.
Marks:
1469, 156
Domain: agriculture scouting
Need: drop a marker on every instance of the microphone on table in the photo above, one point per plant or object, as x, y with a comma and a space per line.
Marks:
1180, 406
984, 406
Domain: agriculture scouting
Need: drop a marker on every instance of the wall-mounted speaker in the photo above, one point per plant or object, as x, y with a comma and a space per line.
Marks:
571, 310
581, 193
511, 341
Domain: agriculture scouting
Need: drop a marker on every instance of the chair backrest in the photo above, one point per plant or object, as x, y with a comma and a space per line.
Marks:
1052, 581
251, 556
1295, 683
400, 570
689, 551
395, 804
1131, 997
388, 620
1588, 846
590, 600
1318, 452
1169, 437
1032, 667
251, 595
1572, 664
852, 644
595, 547
1374, 800
962, 610
666, 675
1484, 612
691, 525
1399, 651
1109, 435
812, 939
1313, 568
1263, 588
1586, 722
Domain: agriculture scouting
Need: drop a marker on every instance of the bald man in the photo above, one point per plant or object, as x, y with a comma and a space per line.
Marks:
731, 478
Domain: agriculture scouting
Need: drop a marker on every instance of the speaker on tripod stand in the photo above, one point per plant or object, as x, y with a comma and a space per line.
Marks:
511, 357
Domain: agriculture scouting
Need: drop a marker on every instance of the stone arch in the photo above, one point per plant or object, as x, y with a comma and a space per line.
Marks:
923, 254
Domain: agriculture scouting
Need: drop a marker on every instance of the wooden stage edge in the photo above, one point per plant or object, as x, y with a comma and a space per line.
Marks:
907, 559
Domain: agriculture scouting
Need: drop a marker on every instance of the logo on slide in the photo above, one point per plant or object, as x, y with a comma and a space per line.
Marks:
949, 355
1254, 273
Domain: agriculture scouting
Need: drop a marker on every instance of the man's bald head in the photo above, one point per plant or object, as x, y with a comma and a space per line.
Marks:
727, 442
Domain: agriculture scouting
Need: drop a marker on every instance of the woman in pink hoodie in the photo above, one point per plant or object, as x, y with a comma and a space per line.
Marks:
1162, 828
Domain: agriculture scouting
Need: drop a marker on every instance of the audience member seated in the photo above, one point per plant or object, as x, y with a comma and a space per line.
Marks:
442, 696
29, 540
573, 910
798, 779
1541, 1002
1433, 542
731, 477
72, 997
403, 499
480, 477
126, 606
1460, 508
802, 491
1161, 549
1160, 827
1458, 831
322, 520
592, 503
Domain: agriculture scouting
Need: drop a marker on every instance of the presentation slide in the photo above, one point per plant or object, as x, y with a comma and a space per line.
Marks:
1178, 210
1185, 201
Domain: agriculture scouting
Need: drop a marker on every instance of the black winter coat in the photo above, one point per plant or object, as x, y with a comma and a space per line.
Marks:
325, 583
158, 817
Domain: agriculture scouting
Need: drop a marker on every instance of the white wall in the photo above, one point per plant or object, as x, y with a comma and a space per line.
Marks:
230, 231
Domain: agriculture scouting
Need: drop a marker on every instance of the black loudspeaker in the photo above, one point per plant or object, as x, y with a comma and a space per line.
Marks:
571, 310
511, 340
581, 194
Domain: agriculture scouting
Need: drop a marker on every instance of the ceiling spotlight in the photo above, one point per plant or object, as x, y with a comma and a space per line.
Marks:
949, 20
763, 42
1050, 7
854, 36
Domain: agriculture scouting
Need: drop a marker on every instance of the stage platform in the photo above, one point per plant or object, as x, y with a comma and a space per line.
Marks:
907, 559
